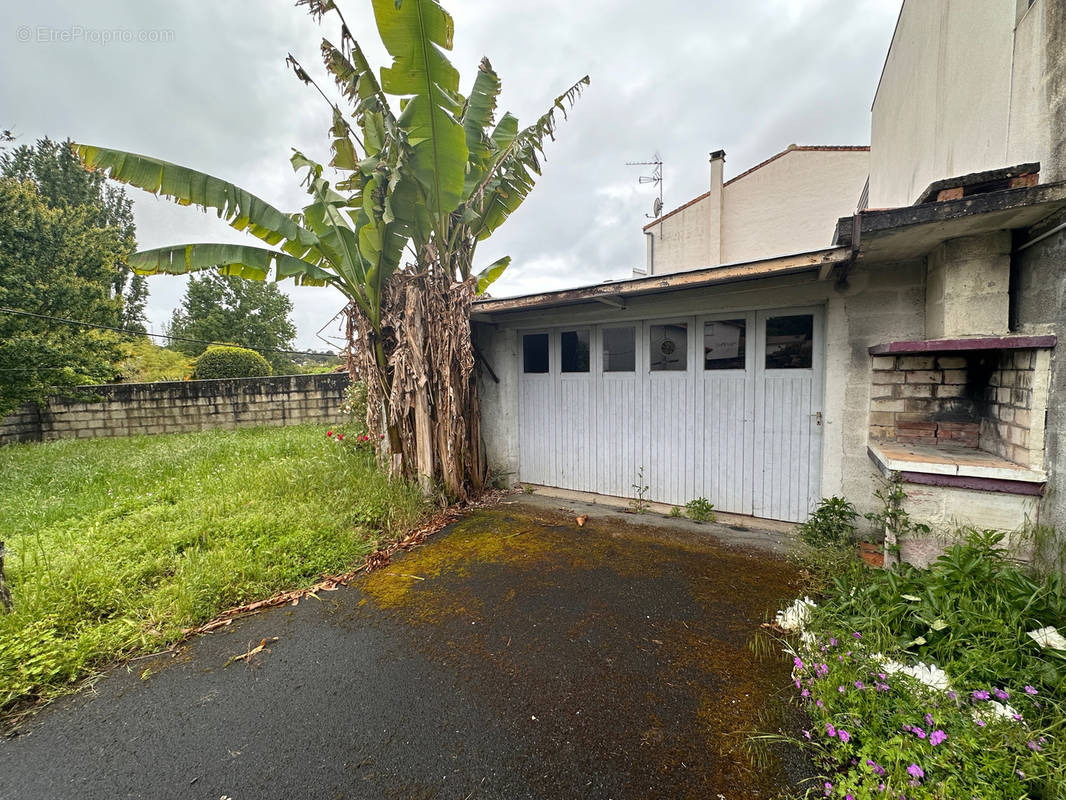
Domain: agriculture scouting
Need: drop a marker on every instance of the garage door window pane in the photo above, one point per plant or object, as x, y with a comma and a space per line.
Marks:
535, 353
619, 349
668, 347
575, 351
724, 343
790, 342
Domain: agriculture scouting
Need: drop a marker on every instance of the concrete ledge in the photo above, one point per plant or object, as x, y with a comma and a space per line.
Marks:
960, 467
959, 345
724, 517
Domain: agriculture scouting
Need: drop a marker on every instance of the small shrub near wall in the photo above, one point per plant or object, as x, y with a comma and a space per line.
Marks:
223, 361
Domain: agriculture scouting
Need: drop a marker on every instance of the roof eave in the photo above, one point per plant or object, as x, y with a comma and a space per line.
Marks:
813, 261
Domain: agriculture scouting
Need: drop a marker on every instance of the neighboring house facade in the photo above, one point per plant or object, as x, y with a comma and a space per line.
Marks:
967, 86
787, 204
918, 339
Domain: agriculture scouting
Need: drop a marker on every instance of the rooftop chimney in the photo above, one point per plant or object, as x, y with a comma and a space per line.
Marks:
714, 209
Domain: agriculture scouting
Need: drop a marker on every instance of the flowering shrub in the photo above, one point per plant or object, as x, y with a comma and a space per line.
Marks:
361, 441
946, 682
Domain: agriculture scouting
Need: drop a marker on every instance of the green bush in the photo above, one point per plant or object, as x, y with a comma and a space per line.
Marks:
831, 524
224, 361
701, 510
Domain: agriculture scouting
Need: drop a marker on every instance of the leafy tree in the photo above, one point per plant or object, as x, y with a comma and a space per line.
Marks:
54, 262
220, 308
63, 182
146, 362
432, 179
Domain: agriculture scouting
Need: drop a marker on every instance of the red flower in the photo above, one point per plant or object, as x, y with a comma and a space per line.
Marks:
329, 433
340, 436
382, 436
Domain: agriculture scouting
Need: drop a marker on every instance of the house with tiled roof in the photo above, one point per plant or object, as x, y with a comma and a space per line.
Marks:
788, 203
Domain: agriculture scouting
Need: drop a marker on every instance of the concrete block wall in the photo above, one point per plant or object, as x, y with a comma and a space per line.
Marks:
967, 287
181, 407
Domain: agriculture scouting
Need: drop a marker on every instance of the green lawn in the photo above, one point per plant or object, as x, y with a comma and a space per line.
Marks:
119, 544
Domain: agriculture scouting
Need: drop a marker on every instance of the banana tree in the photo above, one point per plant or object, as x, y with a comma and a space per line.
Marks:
414, 190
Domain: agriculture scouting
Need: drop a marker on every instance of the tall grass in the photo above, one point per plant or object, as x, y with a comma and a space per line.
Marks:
119, 544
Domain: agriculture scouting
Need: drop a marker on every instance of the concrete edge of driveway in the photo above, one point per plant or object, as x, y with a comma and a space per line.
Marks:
732, 530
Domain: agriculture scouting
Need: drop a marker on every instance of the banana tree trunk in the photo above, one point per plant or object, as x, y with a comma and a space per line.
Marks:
415, 341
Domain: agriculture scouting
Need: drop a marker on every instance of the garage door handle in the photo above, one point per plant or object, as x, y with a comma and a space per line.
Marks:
817, 417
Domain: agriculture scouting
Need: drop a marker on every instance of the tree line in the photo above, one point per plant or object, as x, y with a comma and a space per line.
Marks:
66, 236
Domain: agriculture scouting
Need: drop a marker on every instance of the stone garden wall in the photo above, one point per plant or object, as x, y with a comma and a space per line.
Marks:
128, 409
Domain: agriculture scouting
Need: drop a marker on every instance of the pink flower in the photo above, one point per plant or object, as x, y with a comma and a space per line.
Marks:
845, 737
1031, 690
936, 737
915, 771
830, 729
980, 694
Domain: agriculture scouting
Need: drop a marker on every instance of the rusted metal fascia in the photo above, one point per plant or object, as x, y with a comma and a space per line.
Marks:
694, 279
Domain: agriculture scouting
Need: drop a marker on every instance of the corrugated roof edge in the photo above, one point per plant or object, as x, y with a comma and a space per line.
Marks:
806, 148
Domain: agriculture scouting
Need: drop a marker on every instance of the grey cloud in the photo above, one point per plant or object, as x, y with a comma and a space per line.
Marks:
674, 76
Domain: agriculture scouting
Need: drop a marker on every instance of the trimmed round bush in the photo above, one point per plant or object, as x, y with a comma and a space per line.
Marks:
223, 361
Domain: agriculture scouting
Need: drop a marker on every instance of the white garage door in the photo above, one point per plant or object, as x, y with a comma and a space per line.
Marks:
724, 407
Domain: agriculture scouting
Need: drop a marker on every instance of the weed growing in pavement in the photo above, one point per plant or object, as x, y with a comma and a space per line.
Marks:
700, 510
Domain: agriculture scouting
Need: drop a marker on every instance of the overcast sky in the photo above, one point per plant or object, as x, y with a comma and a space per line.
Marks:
204, 84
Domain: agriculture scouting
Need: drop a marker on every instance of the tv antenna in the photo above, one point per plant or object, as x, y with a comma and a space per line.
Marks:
656, 177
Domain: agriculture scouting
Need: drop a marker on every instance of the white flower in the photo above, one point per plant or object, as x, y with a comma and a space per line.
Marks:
1048, 637
795, 617
929, 675
1001, 711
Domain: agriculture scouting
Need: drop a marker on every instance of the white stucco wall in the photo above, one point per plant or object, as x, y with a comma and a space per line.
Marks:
683, 240
789, 205
1029, 126
792, 204
959, 93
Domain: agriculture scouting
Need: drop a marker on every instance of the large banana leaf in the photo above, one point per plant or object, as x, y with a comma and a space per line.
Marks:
254, 263
510, 181
491, 273
241, 209
415, 33
477, 117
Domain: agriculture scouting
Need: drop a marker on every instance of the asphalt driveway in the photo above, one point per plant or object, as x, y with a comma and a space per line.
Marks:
515, 655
